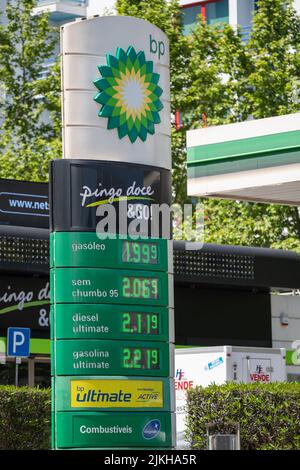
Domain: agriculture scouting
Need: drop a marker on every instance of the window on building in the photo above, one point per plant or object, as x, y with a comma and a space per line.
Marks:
217, 12
213, 11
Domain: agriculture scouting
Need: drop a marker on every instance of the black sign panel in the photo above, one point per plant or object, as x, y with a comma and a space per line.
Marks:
206, 316
24, 302
79, 187
23, 203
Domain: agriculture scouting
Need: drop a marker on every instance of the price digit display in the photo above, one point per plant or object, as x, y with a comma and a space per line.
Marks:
139, 252
140, 287
141, 358
140, 323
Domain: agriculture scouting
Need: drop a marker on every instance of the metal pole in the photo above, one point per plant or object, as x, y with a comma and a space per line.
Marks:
31, 366
17, 373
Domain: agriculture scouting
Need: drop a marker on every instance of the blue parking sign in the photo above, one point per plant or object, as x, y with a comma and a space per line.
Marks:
18, 342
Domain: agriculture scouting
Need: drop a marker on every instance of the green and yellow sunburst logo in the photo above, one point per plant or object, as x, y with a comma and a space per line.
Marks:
129, 94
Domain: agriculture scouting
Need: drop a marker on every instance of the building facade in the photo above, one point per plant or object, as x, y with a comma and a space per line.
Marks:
62, 11
234, 12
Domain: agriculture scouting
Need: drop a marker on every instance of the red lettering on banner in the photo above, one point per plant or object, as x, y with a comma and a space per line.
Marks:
184, 384
260, 377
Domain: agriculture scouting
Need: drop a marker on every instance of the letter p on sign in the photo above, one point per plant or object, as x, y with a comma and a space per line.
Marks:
18, 342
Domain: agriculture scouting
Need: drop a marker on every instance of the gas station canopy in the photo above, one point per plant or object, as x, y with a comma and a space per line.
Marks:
257, 160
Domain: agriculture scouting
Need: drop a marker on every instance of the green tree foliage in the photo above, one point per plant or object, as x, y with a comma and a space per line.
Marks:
245, 223
263, 81
167, 16
25, 418
216, 78
274, 46
28, 138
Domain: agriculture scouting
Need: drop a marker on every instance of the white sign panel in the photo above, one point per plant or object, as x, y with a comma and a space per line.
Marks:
116, 91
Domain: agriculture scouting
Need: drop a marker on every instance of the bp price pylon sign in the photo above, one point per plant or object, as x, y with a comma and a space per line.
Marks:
112, 308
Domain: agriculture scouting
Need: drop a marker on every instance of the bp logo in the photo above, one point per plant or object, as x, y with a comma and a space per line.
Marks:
129, 94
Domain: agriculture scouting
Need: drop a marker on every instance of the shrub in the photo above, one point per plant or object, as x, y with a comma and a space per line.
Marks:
268, 414
25, 415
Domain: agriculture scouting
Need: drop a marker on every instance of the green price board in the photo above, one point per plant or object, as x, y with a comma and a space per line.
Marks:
87, 285
114, 429
119, 393
103, 321
85, 249
96, 357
